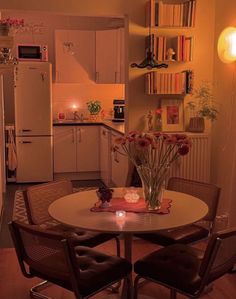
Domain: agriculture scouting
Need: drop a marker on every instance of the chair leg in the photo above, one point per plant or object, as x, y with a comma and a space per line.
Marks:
136, 285
117, 246
172, 294
34, 291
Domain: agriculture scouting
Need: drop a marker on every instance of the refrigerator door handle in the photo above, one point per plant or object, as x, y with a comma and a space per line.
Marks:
25, 142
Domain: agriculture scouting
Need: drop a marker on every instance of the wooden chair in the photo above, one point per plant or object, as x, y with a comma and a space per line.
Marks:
179, 268
53, 257
37, 200
192, 233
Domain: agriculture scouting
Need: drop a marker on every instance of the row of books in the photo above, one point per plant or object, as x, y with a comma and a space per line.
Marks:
168, 83
160, 46
159, 13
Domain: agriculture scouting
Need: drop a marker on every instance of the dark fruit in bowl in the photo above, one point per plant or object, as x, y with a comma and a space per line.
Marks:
104, 194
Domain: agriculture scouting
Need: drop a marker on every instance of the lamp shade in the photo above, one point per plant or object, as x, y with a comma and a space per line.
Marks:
227, 45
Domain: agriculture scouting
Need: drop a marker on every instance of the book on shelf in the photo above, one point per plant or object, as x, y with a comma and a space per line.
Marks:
168, 83
165, 14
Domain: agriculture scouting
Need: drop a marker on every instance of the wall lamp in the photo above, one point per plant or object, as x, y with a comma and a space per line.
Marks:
227, 45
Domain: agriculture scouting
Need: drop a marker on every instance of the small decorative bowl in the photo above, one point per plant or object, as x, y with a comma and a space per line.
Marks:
131, 195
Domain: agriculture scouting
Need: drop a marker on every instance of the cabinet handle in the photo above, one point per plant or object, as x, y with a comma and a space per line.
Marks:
104, 133
23, 142
25, 130
116, 157
97, 76
73, 135
80, 137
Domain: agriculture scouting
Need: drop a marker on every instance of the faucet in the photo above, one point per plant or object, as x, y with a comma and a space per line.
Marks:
77, 116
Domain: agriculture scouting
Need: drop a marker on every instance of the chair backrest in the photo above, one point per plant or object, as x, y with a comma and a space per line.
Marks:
48, 254
39, 197
209, 193
219, 257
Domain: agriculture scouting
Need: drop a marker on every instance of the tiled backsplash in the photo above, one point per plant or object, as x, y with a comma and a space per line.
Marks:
67, 96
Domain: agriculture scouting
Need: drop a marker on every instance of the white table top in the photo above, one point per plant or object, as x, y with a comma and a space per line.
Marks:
74, 210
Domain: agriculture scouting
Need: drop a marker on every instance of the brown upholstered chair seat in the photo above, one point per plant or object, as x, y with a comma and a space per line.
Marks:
180, 268
80, 237
94, 266
184, 235
159, 266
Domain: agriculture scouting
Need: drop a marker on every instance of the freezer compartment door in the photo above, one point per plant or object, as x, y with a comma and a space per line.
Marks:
34, 156
33, 105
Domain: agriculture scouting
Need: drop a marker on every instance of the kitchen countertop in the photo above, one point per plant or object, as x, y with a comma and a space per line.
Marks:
116, 126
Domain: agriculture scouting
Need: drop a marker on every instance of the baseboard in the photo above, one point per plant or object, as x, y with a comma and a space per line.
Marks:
92, 175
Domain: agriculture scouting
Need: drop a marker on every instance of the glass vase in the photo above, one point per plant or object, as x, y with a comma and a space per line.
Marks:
153, 185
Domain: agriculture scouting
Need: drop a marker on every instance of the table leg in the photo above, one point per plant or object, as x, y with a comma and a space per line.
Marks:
127, 290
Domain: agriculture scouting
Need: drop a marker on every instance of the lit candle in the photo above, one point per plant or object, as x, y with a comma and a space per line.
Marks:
120, 214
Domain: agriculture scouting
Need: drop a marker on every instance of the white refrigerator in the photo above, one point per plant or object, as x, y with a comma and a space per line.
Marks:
33, 121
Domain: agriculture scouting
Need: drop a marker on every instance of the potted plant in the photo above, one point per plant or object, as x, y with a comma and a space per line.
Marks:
202, 106
94, 107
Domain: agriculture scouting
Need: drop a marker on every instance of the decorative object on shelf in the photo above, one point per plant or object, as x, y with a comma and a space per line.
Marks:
172, 116
105, 195
158, 119
94, 108
227, 45
202, 106
150, 121
170, 54
152, 154
9, 24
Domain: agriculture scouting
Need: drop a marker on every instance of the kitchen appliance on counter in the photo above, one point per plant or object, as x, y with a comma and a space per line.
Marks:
119, 110
33, 121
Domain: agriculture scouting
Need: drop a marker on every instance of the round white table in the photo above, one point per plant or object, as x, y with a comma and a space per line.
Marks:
74, 210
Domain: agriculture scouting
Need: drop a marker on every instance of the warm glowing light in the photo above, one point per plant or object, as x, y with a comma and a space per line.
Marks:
227, 45
74, 106
120, 214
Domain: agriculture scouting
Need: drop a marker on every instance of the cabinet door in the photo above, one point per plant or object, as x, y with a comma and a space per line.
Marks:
105, 155
65, 149
109, 47
119, 166
88, 148
75, 56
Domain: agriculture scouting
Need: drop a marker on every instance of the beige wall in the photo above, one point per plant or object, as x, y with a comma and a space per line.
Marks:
224, 130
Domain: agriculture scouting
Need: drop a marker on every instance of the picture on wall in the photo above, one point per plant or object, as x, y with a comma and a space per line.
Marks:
172, 115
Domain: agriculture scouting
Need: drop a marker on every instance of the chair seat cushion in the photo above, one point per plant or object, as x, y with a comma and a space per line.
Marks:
80, 237
184, 235
97, 270
177, 265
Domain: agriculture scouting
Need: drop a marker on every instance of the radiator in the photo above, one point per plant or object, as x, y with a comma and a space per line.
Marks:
196, 164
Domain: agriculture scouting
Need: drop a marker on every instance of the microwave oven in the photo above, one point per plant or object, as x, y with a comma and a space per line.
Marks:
29, 52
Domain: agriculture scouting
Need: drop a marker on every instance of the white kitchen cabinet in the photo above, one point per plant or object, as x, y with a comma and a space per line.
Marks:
119, 165
64, 149
110, 56
76, 149
75, 56
87, 148
105, 155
